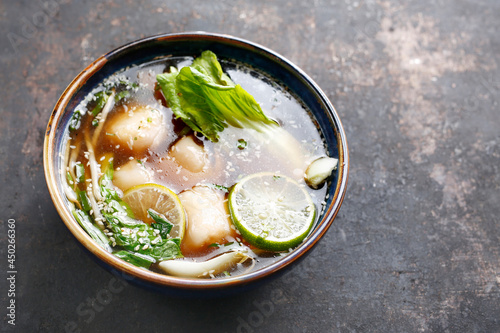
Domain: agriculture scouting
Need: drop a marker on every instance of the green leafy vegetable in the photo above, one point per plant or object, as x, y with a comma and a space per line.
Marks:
137, 259
84, 201
85, 222
138, 237
161, 223
69, 179
208, 101
133, 235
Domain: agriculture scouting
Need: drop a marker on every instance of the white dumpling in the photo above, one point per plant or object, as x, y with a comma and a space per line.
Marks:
136, 129
189, 154
130, 174
208, 220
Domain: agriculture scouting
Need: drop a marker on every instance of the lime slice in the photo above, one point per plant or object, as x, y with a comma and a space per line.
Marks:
272, 212
162, 200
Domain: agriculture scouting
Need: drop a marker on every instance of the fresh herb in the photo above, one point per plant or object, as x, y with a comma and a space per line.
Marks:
208, 101
229, 243
276, 177
226, 273
242, 144
214, 245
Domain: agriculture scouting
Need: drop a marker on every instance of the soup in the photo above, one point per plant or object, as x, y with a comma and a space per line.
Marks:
195, 167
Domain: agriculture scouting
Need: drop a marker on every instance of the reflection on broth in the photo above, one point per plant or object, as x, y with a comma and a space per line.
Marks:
124, 136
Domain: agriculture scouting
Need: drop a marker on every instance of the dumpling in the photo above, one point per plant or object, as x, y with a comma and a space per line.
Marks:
207, 218
130, 174
138, 129
189, 154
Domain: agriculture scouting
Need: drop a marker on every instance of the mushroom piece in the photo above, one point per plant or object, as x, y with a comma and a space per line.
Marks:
319, 170
209, 268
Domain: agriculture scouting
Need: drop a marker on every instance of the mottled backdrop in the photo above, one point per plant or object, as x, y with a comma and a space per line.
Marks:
415, 247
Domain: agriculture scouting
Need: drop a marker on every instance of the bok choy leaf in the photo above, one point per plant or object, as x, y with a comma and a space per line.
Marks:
208, 101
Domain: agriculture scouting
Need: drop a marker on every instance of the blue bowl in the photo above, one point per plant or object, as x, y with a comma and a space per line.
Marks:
190, 44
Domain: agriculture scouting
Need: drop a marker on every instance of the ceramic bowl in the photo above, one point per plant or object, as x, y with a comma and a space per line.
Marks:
190, 44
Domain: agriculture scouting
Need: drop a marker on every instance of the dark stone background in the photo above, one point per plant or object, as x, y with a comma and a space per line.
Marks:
416, 245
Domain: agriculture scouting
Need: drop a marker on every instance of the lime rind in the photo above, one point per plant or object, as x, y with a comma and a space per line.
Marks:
271, 212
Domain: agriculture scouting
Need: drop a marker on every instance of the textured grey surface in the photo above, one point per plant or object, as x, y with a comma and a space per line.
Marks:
415, 247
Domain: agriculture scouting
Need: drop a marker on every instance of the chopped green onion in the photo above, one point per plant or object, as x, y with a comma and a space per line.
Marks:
137, 259
76, 121
242, 144
69, 178
80, 173
84, 201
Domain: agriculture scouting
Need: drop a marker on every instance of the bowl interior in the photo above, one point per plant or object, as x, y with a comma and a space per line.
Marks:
189, 44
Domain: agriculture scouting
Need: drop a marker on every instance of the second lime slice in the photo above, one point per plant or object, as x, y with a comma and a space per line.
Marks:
272, 212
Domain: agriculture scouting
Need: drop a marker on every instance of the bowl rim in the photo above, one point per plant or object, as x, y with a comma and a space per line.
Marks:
51, 174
